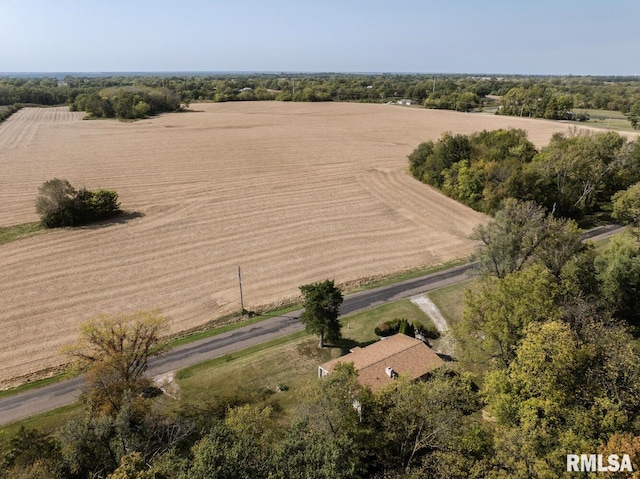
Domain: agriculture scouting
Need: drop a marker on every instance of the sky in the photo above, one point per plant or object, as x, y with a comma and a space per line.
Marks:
559, 37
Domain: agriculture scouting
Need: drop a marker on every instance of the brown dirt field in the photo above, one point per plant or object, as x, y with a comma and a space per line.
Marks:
293, 193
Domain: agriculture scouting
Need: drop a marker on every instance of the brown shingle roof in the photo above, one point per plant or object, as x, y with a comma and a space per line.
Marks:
405, 355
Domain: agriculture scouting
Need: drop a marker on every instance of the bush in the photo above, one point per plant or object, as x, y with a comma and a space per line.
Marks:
60, 204
395, 326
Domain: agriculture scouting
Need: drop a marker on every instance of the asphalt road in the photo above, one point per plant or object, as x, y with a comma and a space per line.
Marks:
20, 406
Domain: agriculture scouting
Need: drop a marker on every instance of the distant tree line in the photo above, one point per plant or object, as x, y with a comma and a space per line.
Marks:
129, 102
574, 176
531, 96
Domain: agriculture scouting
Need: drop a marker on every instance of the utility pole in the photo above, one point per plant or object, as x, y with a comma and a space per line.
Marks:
240, 283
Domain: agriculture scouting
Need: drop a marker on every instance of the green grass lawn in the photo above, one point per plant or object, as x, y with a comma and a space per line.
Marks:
610, 119
253, 375
449, 301
359, 326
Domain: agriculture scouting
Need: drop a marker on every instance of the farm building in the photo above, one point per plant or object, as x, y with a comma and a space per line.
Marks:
380, 363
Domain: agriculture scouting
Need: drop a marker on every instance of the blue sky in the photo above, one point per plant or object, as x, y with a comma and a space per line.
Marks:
560, 37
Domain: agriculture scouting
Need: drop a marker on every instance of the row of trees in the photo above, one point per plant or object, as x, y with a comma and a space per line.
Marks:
543, 97
575, 175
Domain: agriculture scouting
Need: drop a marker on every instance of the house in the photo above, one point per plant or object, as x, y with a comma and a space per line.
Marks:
380, 363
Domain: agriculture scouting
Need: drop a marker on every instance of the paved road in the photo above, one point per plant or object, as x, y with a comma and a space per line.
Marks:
20, 406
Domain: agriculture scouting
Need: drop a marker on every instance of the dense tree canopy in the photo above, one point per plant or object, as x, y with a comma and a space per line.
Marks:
575, 175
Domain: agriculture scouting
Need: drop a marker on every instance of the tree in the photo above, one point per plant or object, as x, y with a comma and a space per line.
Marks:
618, 267
417, 418
321, 310
499, 310
31, 454
634, 115
328, 403
54, 198
563, 392
241, 446
576, 171
509, 241
626, 206
116, 350
562, 243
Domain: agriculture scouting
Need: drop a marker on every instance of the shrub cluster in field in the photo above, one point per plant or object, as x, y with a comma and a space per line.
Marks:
60, 204
7, 112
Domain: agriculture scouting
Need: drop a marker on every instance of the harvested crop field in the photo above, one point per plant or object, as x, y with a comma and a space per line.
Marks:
292, 192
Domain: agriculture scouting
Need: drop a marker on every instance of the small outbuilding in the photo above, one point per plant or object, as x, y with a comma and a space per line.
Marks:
380, 363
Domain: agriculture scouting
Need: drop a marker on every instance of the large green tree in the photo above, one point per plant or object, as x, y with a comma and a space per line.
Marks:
563, 392
418, 418
576, 171
626, 207
321, 302
498, 311
618, 267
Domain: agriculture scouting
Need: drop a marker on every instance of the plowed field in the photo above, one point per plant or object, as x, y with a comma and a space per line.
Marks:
293, 193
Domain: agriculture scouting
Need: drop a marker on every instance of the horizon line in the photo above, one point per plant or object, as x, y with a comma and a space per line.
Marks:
80, 73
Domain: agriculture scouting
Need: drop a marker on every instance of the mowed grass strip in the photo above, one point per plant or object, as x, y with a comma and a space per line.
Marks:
12, 233
47, 422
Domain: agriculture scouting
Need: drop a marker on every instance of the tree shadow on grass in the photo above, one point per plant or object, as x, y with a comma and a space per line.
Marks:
121, 219
346, 345
446, 358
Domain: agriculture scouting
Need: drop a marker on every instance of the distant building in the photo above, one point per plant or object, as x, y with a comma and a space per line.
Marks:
380, 363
